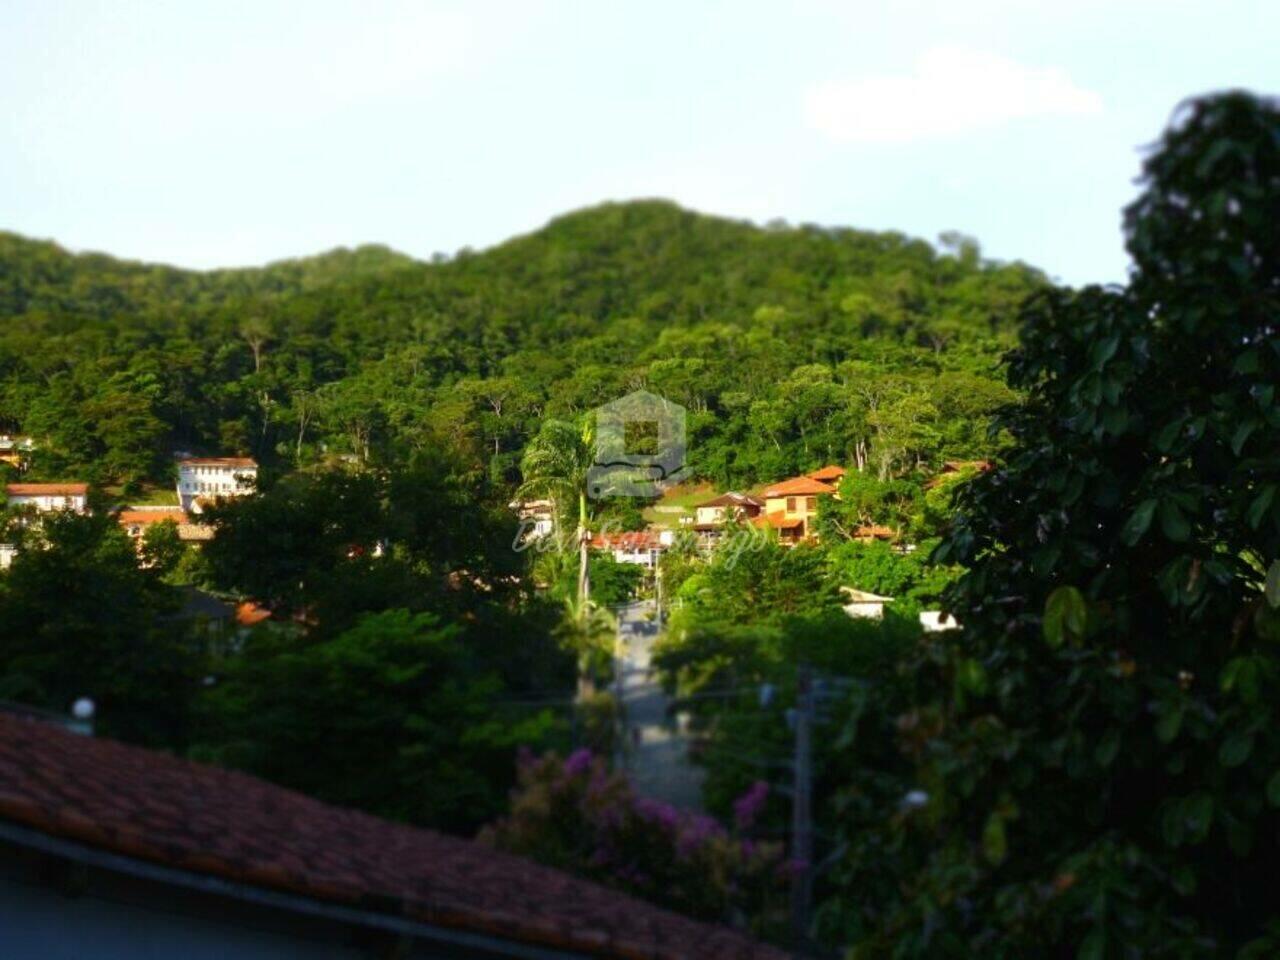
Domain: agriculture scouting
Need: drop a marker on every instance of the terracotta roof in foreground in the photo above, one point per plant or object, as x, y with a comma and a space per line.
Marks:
209, 821
46, 489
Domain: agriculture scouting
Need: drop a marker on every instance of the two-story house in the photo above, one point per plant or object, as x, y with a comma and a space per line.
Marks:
791, 507
49, 497
204, 479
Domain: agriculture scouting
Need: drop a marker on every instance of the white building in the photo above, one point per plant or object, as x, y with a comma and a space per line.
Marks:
864, 605
537, 518
48, 497
203, 479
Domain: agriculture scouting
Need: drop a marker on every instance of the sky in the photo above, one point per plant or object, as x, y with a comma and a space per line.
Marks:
236, 133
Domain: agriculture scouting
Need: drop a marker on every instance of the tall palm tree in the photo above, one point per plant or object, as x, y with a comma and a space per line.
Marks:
555, 466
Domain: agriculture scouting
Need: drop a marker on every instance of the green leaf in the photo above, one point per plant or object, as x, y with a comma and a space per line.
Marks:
1272, 589
1261, 503
1169, 724
1104, 350
1273, 789
971, 676
1242, 435
1183, 879
1247, 362
1107, 747
1197, 811
1169, 435
995, 844
1173, 522
1094, 946
1235, 749
1065, 616
1138, 523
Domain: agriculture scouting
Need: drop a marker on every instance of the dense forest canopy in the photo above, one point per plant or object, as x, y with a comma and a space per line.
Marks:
789, 345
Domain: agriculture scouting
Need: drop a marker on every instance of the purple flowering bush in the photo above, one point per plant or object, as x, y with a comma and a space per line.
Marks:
576, 814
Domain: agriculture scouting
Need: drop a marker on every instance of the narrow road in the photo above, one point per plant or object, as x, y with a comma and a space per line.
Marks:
654, 748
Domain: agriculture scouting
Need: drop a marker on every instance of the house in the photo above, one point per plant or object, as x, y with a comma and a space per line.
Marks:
49, 497
642, 547
109, 850
864, 605
726, 507
537, 518
710, 517
952, 467
935, 621
203, 479
137, 520
790, 530
796, 499
14, 450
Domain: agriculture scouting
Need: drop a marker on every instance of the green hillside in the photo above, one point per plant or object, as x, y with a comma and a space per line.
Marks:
790, 345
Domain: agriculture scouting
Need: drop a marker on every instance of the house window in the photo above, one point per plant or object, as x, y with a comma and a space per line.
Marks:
791, 504
811, 504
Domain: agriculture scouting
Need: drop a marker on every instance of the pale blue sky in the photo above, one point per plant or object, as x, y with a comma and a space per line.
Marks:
219, 134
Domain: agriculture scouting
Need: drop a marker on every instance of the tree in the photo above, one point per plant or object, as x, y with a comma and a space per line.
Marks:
395, 715
555, 465
1095, 757
82, 619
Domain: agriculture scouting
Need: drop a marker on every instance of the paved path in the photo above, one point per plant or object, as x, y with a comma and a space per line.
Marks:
654, 749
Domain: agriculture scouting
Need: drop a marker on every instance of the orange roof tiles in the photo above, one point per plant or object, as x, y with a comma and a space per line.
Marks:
208, 821
626, 540
827, 474
176, 514
47, 489
798, 486
249, 614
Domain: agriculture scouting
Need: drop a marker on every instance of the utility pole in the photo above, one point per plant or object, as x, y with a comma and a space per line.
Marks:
801, 809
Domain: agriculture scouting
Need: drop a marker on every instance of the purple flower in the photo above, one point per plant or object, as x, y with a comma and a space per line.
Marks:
579, 762
655, 811
748, 806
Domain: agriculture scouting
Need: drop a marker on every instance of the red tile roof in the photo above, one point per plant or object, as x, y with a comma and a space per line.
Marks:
626, 540
798, 486
827, 474
249, 614
176, 514
205, 820
46, 489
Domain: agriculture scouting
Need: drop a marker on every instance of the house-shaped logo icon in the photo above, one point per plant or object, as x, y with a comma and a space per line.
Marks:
640, 446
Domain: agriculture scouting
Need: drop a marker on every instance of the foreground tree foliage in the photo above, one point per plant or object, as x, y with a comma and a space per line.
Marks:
1100, 755
81, 618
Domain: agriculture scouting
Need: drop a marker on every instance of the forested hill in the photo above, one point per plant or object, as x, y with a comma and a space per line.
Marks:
790, 344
